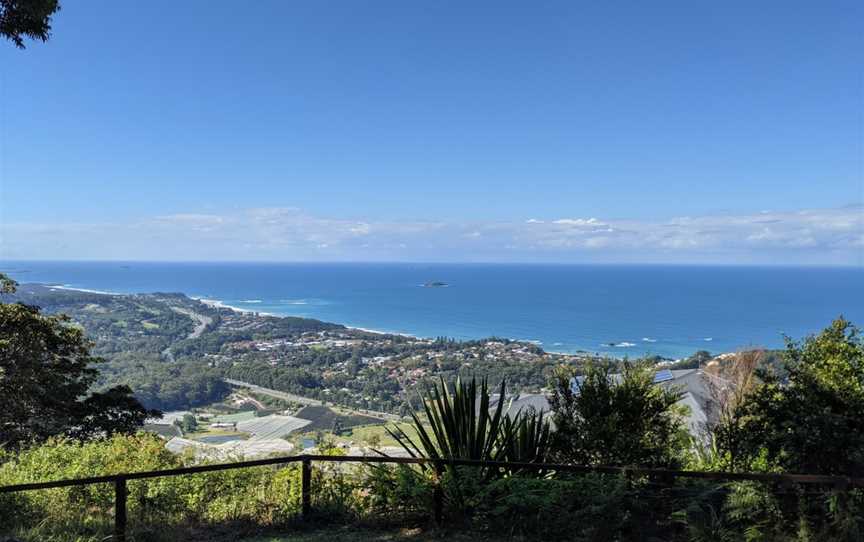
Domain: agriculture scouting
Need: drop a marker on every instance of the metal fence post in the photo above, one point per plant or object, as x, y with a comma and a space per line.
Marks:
120, 509
305, 487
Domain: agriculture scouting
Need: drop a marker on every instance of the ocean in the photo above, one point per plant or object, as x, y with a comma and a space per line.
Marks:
631, 310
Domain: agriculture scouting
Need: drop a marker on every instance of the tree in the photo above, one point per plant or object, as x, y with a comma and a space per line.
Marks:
46, 372
811, 421
21, 19
336, 429
189, 424
607, 419
729, 382
7, 285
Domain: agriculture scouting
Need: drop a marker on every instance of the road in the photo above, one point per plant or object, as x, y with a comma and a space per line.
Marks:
307, 401
274, 393
201, 323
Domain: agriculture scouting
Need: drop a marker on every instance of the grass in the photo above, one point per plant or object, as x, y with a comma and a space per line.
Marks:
367, 433
360, 534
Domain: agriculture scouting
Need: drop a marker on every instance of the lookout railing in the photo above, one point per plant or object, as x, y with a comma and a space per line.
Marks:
838, 483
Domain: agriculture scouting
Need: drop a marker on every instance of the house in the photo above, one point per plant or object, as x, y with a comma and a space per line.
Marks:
694, 384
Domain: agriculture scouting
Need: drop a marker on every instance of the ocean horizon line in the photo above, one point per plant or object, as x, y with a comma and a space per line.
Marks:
748, 265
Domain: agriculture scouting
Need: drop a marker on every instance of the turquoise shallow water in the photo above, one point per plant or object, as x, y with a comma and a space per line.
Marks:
667, 310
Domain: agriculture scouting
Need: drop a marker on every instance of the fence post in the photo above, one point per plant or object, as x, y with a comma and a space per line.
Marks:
120, 509
305, 487
790, 502
438, 494
438, 504
842, 489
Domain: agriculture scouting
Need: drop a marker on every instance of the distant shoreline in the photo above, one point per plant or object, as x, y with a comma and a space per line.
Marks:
219, 304
222, 305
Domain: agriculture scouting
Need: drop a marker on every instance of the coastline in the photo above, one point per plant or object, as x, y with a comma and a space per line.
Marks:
73, 289
219, 304
216, 303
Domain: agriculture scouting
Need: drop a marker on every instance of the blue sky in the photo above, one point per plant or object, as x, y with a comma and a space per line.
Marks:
393, 130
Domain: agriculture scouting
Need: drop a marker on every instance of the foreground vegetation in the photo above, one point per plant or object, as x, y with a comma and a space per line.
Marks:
809, 418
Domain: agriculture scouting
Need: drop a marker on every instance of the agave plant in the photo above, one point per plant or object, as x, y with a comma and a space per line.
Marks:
525, 437
458, 424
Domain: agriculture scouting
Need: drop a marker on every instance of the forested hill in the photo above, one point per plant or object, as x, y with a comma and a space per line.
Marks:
174, 351
140, 337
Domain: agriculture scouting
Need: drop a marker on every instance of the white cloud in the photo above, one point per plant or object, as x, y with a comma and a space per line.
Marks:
288, 233
578, 222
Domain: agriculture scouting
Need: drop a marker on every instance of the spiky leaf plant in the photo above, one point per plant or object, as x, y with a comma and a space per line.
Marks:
525, 437
458, 424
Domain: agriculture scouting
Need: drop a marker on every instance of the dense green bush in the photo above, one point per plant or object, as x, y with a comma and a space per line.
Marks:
807, 419
256, 496
558, 506
593, 507
623, 419
397, 494
812, 419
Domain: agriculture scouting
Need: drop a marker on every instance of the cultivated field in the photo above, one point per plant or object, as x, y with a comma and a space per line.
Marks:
272, 427
322, 418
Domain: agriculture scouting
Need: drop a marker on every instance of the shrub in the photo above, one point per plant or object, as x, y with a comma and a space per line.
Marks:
617, 421
589, 508
259, 495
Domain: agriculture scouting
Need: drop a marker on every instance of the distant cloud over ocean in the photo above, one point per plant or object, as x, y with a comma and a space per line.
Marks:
812, 236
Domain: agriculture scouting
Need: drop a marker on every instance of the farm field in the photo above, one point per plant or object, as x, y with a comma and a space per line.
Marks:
272, 427
231, 418
209, 433
323, 418
376, 435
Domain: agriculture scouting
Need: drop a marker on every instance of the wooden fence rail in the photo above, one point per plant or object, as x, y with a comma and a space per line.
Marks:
120, 480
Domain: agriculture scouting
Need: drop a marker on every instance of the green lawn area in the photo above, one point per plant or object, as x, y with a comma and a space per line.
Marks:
365, 433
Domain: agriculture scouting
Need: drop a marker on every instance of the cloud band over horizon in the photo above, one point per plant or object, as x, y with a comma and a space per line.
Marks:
808, 237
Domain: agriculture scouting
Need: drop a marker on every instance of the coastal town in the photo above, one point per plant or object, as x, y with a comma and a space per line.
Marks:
142, 336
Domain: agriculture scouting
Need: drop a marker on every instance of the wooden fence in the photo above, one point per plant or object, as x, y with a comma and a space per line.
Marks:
841, 483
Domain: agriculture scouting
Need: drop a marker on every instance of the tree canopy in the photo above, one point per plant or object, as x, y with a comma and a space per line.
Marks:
21, 19
46, 375
610, 420
810, 420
